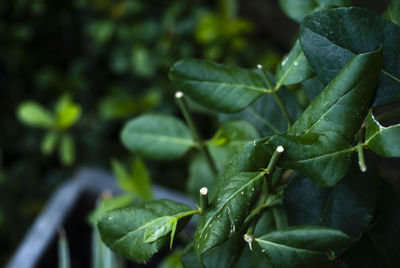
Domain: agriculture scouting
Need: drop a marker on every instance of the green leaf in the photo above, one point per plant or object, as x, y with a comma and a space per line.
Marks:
123, 229
325, 158
172, 261
67, 112
392, 12
331, 38
159, 228
160, 137
302, 246
235, 131
49, 142
232, 203
137, 182
265, 114
343, 104
219, 87
33, 114
109, 204
297, 10
384, 141
294, 68
348, 206
67, 150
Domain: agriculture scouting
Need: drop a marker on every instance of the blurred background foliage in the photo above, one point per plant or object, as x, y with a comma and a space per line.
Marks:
72, 72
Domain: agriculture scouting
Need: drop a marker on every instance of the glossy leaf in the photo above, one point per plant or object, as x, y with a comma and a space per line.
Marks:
232, 203
219, 87
348, 206
325, 158
159, 228
331, 38
384, 141
35, 115
294, 68
302, 245
157, 136
343, 104
235, 131
123, 229
297, 10
392, 12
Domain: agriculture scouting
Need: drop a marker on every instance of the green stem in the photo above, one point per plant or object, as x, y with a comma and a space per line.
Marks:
203, 199
271, 89
361, 159
187, 213
203, 149
283, 108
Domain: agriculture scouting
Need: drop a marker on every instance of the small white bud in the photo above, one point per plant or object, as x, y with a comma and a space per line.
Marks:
363, 168
204, 191
259, 66
179, 94
280, 149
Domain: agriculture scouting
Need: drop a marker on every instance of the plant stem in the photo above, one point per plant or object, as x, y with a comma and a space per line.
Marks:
203, 149
203, 199
256, 213
273, 91
361, 160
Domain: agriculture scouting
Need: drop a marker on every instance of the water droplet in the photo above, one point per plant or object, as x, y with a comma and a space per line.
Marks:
242, 193
284, 61
296, 63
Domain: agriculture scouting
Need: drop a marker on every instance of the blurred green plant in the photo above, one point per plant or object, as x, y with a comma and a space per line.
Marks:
57, 123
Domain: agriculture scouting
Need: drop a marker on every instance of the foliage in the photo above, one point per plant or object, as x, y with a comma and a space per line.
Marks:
292, 192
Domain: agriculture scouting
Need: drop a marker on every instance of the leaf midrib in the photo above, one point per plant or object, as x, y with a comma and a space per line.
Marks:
288, 70
381, 69
176, 140
252, 88
288, 247
325, 155
260, 175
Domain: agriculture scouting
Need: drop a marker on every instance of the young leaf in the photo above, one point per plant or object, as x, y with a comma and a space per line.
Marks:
235, 196
35, 115
384, 141
392, 12
49, 142
219, 87
235, 131
123, 229
348, 206
159, 228
330, 38
302, 246
325, 158
157, 136
297, 10
67, 112
67, 150
294, 68
343, 104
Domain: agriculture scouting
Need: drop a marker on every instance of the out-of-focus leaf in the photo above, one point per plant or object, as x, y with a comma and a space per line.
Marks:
157, 136
49, 142
172, 261
294, 68
331, 38
33, 114
142, 61
302, 246
297, 10
392, 12
123, 229
219, 87
64, 258
384, 141
67, 150
137, 181
67, 112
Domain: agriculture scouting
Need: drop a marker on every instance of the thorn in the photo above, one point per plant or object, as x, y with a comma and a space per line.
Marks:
248, 238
